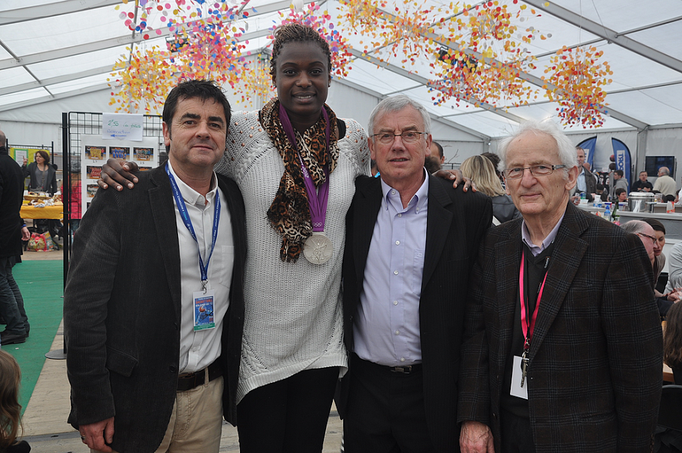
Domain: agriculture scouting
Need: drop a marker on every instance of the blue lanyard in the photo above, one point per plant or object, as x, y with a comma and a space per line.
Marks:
182, 208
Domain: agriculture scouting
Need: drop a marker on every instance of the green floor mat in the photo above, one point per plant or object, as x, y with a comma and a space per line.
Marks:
42, 286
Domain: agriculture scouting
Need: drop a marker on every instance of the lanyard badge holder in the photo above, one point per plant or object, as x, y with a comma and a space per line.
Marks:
203, 301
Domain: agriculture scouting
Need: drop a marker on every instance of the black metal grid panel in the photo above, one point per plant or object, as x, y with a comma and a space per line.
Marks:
75, 125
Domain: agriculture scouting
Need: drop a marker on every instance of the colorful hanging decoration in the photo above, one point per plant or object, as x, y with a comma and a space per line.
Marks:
578, 77
256, 86
477, 55
311, 16
142, 83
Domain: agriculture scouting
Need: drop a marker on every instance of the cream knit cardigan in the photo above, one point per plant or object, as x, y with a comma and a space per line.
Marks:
293, 311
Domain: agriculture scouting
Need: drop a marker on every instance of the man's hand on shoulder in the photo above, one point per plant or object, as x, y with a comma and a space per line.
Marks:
117, 172
99, 435
476, 437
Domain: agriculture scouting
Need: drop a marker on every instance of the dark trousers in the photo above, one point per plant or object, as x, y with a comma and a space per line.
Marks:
385, 411
288, 416
11, 301
517, 435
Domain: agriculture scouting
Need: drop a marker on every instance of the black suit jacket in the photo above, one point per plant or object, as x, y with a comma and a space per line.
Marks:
11, 197
122, 311
456, 225
596, 355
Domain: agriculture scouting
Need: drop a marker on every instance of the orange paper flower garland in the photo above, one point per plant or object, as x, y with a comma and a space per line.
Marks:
579, 77
477, 53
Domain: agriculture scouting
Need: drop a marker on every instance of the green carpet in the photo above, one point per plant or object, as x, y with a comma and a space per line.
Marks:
42, 286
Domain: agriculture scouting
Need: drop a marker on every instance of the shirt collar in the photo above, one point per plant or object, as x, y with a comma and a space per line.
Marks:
190, 195
537, 249
419, 199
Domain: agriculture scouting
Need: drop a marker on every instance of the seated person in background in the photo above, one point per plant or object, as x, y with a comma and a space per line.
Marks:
672, 342
646, 234
603, 192
10, 409
659, 264
621, 195
642, 185
674, 268
665, 184
481, 171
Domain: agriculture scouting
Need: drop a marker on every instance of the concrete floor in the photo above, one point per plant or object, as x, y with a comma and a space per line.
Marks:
44, 421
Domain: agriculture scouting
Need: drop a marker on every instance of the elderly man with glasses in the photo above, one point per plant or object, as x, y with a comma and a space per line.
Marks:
648, 236
562, 341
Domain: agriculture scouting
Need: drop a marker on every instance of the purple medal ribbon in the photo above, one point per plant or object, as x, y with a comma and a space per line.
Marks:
317, 200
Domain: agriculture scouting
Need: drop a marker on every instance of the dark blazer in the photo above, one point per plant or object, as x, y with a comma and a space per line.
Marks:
456, 224
50, 179
596, 355
11, 197
122, 311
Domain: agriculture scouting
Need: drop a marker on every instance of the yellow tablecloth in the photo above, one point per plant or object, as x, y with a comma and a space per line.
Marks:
48, 212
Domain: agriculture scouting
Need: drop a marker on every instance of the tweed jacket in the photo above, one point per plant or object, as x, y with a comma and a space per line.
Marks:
122, 311
594, 377
456, 225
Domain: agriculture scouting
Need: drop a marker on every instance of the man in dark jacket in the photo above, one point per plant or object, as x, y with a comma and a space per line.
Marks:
12, 232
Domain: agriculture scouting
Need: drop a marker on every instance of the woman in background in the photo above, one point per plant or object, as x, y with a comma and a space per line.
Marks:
481, 171
672, 341
43, 175
10, 409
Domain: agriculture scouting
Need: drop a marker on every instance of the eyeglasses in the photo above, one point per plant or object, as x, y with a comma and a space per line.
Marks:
535, 170
408, 137
647, 236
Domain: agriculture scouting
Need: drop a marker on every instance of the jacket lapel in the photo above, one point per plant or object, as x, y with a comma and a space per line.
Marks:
508, 260
568, 253
365, 213
163, 213
438, 223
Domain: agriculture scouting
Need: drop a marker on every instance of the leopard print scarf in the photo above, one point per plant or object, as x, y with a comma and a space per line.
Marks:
289, 212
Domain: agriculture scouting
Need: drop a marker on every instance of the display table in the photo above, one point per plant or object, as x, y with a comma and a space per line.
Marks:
48, 212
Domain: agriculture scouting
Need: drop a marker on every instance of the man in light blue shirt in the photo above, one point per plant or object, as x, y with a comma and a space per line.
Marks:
411, 242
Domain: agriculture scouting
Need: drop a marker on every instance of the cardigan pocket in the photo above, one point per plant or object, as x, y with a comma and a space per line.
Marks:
120, 362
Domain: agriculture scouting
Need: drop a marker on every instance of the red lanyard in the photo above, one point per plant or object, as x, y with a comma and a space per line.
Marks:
525, 327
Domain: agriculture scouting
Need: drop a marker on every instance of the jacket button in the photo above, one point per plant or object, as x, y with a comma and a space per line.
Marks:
172, 369
495, 415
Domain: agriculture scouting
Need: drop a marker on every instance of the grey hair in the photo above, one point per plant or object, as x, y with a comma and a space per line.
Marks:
396, 104
566, 149
635, 226
664, 170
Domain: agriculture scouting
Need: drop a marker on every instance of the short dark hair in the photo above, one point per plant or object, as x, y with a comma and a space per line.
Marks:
432, 164
297, 32
440, 148
656, 225
45, 155
189, 89
619, 173
619, 191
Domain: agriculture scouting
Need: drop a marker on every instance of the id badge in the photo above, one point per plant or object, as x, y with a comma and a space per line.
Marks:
204, 317
516, 389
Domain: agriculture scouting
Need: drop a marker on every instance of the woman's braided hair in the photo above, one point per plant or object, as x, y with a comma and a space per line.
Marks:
296, 32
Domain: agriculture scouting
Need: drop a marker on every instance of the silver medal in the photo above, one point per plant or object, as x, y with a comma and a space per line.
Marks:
318, 248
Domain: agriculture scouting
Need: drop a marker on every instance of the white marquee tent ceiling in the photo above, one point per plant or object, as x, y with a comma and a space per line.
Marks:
57, 49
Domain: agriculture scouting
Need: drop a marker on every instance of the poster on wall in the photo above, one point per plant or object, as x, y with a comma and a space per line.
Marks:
95, 153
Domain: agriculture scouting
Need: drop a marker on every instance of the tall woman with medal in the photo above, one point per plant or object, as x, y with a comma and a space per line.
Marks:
296, 164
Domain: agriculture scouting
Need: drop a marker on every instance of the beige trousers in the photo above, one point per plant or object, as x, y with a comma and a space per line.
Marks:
196, 422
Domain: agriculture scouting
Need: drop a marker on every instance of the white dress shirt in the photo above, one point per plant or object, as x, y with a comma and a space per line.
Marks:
386, 329
201, 348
